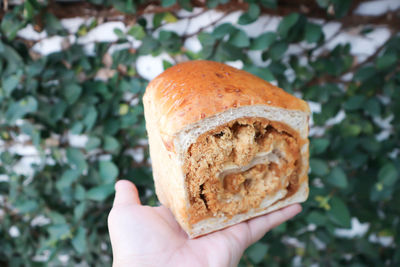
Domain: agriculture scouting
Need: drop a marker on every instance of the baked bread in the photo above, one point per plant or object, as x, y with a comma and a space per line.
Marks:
225, 145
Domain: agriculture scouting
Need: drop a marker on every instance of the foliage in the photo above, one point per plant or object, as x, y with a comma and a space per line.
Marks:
51, 98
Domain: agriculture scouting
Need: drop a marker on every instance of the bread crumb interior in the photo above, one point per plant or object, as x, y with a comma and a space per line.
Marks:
233, 168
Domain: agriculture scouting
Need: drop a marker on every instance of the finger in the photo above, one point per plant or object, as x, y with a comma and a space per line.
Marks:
242, 235
126, 193
259, 226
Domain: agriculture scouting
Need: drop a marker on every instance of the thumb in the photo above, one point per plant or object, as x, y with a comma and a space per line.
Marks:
126, 193
121, 218
259, 226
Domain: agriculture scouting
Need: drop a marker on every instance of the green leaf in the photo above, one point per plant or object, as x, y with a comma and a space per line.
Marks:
29, 10
277, 50
222, 30
386, 61
18, 110
337, 178
263, 73
339, 213
313, 32
263, 41
388, 174
67, 178
287, 23
108, 171
167, 64
72, 92
317, 218
319, 167
93, 143
79, 211
52, 24
269, 3
355, 102
76, 159
100, 193
319, 145
323, 3
137, 32
364, 74
79, 193
373, 107
25, 206
257, 252
239, 39
351, 130
185, 4
11, 82
10, 25
90, 117
111, 144
148, 46
79, 240
341, 7
126, 6
251, 15
168, 3
170, 18
119, 33
59, 232
206, 39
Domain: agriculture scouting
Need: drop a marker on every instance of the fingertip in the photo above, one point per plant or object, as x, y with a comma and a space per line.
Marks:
124, 184
126, 193
294, 209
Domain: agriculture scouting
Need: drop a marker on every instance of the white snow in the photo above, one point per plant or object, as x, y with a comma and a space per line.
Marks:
49, 45
376, 8
294, 242
64, 258
236, 64
357, 229
72, 24
361, 46
76, 140
137, 154
315, 107
330, 28
149, 67
4, 178
103, 33
43, 257
193, 44
40, 220
385, 241
14, 231
29, 33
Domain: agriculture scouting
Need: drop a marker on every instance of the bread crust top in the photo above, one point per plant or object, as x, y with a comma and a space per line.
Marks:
194, 90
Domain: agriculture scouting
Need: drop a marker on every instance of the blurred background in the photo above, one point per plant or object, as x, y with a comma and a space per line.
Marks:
72, 74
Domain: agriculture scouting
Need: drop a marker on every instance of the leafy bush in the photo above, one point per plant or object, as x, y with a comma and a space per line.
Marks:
58, 211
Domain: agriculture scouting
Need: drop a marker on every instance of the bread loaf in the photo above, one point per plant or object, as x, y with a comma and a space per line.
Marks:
225, 145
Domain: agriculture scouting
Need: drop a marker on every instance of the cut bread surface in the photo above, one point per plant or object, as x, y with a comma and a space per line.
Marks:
231, 169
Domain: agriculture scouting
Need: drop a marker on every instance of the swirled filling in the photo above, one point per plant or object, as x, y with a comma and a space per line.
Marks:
242, 165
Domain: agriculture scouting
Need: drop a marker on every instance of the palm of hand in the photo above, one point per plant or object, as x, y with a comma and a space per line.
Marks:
150, 236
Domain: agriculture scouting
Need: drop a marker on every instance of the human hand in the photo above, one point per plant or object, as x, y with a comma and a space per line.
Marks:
150, 236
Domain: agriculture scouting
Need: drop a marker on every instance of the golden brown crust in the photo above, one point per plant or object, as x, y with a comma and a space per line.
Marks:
194, 90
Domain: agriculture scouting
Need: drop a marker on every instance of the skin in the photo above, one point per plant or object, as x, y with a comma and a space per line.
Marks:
150, 236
